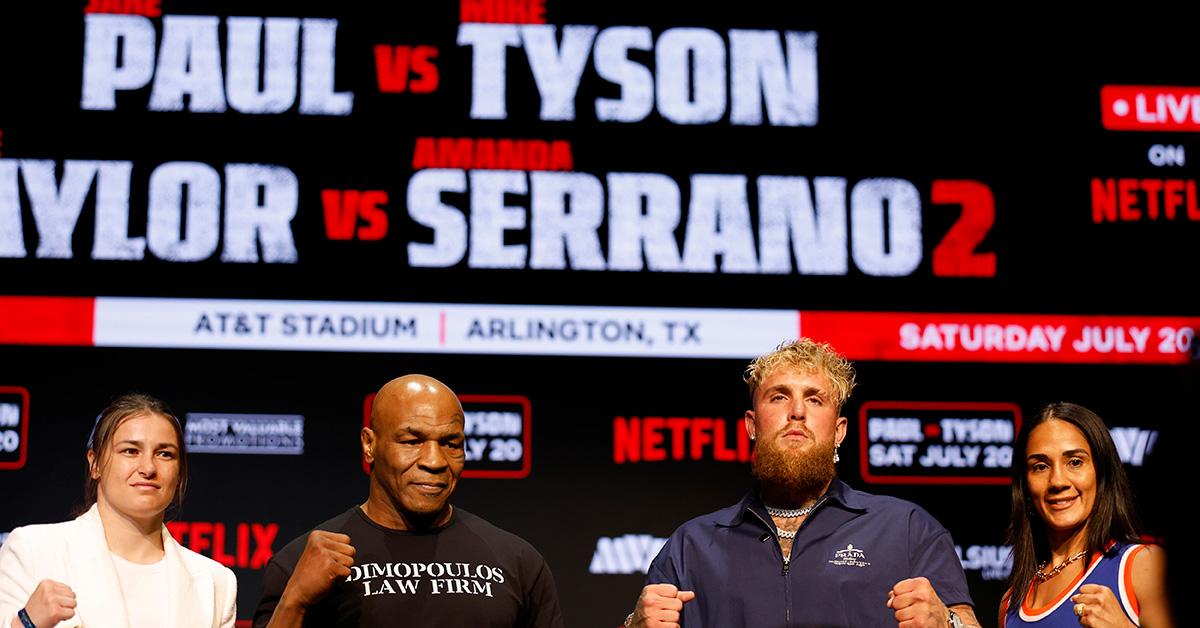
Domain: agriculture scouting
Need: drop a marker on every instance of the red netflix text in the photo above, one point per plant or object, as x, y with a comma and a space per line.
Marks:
656, 438
250, 543
1132, 200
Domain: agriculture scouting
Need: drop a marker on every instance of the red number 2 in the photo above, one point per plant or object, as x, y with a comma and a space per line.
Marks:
955, 255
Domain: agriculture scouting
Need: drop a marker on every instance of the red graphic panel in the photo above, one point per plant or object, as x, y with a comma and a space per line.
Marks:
46, 320
14, 426
1150, 108
932, 442
1030, 338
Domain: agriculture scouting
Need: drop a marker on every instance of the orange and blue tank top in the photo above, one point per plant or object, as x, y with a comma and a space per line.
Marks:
1111, 569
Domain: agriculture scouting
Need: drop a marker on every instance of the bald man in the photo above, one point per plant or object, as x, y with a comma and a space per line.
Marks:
406, 556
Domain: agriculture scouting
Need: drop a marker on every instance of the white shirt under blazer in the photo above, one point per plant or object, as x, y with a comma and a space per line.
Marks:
202, 592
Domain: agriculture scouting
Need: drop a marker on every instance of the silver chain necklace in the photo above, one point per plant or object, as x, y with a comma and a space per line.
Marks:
793, 513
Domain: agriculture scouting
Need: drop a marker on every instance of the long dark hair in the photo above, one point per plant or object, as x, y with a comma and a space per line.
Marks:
100, 443
1113, 517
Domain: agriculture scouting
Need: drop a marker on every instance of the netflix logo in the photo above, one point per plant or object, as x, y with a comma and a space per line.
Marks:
242, 545
659, 439
1129, 199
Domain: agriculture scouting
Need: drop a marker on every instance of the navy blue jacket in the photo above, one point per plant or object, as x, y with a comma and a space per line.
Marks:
846, 557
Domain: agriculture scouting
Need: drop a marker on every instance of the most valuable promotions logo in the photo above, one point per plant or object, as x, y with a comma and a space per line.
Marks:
224, 433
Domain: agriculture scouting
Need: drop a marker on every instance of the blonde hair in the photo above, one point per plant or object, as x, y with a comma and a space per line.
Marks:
808, 356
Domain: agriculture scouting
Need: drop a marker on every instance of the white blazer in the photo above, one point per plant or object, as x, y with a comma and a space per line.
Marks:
203, 592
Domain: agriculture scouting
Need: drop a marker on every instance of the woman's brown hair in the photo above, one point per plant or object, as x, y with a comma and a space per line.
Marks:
100, 442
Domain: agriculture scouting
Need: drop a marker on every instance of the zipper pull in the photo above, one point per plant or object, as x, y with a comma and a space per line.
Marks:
786, 565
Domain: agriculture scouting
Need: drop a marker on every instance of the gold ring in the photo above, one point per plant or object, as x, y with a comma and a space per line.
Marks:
1079, 609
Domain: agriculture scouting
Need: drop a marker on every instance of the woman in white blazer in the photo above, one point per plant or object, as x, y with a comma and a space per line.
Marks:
116, 565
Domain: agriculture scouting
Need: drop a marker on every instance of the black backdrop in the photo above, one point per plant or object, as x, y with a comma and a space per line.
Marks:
1013, 103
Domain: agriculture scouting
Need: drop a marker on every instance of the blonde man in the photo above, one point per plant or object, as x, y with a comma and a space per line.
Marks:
802, 548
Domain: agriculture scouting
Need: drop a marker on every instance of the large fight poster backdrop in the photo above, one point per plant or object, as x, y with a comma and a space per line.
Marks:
585, 218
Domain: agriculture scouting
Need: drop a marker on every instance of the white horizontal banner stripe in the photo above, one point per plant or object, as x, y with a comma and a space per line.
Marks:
440, 328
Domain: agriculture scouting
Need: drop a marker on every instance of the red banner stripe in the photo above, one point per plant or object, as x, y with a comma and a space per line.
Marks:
47, 320
1030, 338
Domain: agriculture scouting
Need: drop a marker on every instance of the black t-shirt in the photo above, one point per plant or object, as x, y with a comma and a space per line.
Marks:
465, 573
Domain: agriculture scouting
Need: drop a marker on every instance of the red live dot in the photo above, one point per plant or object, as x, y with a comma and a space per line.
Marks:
932, 430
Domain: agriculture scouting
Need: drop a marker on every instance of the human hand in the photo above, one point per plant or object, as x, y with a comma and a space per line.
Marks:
917, 605
1097, 606
660, 606
327, 557
50, 603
